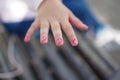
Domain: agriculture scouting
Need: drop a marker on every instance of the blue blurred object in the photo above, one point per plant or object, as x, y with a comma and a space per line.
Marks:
19, 28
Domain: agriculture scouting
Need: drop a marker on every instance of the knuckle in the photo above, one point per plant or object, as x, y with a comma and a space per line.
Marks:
58, 35
67, 28
55, 26
44, 26
71, 35
55, 23
34, 25
44, 23
32, 29
43, 31
29, 33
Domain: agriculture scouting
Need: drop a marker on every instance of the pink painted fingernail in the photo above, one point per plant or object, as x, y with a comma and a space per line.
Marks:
43, 39
59, 41
26, 39
74, 42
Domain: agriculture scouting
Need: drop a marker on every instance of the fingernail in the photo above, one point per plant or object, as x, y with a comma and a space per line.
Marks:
26, 39
74, 42
59, 41
43, 39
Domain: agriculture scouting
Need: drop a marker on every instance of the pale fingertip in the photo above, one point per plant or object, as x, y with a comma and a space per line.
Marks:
84, 27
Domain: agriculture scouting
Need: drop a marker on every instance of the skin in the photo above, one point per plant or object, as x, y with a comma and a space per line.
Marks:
55, 16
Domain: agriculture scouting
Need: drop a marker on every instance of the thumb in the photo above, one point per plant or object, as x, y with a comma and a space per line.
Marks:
77, 23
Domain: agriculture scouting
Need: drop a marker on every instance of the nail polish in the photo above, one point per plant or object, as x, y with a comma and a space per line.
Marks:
26, 39
59, 41
74, 42
43, 39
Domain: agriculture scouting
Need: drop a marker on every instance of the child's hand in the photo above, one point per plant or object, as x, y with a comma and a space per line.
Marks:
55, 16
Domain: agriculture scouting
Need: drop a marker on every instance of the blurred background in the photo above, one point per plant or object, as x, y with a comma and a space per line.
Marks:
108, 12
97, 57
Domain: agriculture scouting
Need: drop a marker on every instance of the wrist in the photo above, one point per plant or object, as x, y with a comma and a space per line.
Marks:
49, 1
